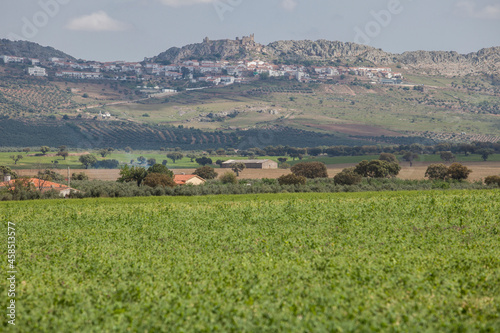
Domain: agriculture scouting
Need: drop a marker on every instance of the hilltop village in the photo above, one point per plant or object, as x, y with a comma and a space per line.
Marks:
198, 71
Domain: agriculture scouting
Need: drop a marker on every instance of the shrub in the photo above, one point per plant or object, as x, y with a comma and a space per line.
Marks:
228, 178
206, 172
159, 179
347, 177
310, 170
292, 179
437, 171
458, 171
79, 176
284, 166
492, 180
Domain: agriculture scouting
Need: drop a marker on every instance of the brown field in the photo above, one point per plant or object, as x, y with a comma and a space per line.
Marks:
417, 171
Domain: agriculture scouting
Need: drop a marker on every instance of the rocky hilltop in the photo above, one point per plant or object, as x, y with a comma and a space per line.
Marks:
30, 50
426, 62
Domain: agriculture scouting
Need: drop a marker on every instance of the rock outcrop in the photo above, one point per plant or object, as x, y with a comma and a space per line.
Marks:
448, 63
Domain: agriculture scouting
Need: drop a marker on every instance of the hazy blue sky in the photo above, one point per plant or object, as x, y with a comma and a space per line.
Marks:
133, 29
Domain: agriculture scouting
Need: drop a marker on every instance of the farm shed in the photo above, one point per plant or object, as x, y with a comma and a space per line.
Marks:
252, 164
188, 180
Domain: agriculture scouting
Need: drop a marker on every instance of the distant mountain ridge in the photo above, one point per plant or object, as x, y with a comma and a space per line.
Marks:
448, 63
30, 50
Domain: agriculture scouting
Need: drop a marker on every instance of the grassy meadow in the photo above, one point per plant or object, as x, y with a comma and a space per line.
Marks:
30, 161
357, 262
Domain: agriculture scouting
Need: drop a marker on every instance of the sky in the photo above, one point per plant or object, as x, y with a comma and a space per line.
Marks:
129, 30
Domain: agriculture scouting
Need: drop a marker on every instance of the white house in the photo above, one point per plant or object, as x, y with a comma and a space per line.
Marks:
37, 71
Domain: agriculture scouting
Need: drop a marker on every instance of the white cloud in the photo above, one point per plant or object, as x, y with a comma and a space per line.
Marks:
469, 8
98, 21
289, 4
178, 3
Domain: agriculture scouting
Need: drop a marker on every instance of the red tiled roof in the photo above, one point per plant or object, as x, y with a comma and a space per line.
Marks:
42, 185
182, 179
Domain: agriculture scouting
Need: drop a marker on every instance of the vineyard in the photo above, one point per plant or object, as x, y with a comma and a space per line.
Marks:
402, 262
20, 98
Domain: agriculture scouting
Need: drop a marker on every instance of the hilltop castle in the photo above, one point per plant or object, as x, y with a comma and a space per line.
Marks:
243, 41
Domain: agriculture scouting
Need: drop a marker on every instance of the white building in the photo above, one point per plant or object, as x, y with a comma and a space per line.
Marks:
11, 59
79, 75
37, 71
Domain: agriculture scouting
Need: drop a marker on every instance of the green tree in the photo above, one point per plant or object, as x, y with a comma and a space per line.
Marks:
388, 157
192, 157
141, 159
204, 161
410, 156
132, 174
347, 177
292, 179
88, 160
458, 171
159, 179
238, 167
206, 172
63, 154
175, 156
377, 169
160, 168
437, 171
16, 158
310, 170
26, 150
44, 149
485, 153
5, 170
447, 156
104, 152
151, 161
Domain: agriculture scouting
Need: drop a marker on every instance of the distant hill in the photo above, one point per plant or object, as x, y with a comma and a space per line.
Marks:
30, 50
448, 63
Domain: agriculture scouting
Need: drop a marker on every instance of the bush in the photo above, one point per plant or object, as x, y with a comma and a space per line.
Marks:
228, 178
292, 179
206, 172
284, 166
310, 170
347, 177
437, 171
458, 171
79, 176
159, 179
492, 180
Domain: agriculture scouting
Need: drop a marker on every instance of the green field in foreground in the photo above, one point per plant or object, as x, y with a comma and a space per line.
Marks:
394, 261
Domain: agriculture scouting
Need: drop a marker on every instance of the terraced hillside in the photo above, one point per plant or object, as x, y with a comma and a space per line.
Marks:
25, 98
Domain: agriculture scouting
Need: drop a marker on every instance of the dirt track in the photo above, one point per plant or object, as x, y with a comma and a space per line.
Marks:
417, 171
